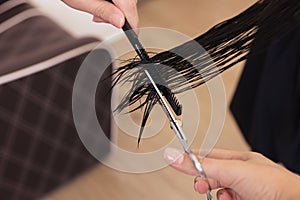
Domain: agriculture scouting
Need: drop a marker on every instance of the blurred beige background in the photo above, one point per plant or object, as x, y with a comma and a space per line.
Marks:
190, 17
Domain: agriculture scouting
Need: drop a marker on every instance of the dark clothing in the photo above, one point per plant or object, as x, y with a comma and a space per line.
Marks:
266, 104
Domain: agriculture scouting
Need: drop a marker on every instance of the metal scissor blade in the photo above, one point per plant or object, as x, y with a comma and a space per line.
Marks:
173, 122
179, 132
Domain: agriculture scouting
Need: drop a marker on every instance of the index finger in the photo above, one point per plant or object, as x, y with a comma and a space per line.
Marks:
229, 155
129, 8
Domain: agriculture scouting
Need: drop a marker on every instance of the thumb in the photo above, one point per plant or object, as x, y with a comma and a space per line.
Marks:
220, 173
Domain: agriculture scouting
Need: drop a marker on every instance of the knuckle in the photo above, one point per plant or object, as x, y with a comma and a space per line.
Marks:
129, 4
100, 11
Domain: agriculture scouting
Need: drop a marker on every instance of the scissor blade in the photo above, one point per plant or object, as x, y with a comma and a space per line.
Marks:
173, 122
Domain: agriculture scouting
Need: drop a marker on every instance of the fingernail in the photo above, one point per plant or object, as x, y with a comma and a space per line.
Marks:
196, 186
173, 156
196, 179
220, 195
116, 20
97, 19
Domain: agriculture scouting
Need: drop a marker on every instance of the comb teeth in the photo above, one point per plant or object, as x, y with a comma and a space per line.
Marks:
172, 99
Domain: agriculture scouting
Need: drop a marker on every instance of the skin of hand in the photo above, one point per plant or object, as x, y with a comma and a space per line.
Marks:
104, 11
239, 175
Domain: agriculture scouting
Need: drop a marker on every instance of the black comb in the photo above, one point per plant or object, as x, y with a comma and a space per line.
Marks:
138, 47
134, 40
172, 100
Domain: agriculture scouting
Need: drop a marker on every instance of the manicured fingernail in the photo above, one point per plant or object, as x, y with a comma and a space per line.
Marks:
116, 20
173, 156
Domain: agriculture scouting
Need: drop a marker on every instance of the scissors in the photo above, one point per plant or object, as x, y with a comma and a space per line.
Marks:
136, 44
179, 133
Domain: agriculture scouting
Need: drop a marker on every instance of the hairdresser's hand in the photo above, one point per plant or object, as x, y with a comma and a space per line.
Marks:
103, 11
240, 175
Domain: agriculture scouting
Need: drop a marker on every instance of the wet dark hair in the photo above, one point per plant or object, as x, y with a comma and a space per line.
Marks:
226, 44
